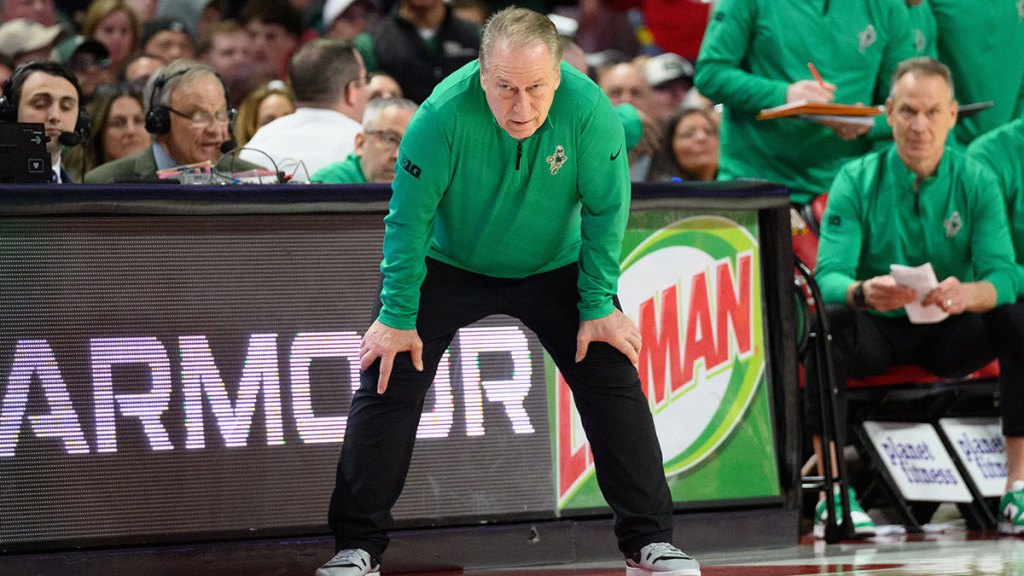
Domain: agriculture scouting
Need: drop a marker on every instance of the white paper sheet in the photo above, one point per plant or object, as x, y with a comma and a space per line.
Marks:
922, 279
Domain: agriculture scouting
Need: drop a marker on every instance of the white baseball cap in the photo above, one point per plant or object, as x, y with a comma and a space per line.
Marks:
335, 8
24, 35
667, 67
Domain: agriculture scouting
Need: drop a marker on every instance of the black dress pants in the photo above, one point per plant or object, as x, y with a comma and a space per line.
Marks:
381, 429
865, 344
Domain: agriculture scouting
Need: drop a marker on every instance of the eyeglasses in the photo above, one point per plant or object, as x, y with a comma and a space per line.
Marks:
388, 138
202, 118
363, 80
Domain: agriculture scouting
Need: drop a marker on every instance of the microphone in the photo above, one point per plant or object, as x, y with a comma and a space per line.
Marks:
81, 133
70, 138
228, 146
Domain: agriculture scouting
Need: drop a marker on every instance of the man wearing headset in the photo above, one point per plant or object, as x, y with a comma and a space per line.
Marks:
47, 93
187, 112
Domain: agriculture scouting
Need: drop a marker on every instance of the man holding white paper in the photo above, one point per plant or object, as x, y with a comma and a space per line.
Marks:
919, 203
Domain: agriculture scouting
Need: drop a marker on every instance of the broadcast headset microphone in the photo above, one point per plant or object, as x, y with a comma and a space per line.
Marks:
80, 136
70, 138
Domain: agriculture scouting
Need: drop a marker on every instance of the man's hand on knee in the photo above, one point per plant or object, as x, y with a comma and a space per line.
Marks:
615, 329
384, 342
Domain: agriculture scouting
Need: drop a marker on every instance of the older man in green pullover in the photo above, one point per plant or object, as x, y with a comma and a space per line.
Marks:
511, 197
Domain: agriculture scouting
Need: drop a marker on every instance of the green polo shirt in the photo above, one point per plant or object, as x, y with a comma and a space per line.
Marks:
1002, 152
348, 171
956, 220
982, 42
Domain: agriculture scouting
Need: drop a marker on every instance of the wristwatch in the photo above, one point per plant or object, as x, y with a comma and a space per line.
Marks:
860, 302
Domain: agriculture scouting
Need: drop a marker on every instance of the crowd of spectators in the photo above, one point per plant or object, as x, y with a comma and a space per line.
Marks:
158, 83
403, 47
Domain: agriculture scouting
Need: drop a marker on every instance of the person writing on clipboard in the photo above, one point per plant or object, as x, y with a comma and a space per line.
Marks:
754, 57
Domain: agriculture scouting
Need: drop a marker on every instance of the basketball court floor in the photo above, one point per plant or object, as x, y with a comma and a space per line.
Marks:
953, 552
956, 554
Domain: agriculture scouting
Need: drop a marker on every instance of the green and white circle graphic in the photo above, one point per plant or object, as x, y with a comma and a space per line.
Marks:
693, 288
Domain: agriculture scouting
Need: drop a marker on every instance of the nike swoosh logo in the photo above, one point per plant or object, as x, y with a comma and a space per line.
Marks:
616, 155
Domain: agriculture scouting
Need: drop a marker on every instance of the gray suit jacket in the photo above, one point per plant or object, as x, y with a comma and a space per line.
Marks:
142, 166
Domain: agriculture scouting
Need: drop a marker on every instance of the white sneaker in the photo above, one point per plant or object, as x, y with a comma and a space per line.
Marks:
661, 559
350, 563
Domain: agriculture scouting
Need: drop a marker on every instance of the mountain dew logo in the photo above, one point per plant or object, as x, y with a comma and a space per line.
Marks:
694, 290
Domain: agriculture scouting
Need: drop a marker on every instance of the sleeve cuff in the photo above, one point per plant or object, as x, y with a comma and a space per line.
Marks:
594, 313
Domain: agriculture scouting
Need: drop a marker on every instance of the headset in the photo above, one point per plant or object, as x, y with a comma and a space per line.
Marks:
12, 93
158, 117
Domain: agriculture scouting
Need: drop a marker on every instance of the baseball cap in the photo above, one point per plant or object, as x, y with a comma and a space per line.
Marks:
80, 45
565, 25
161, 24
24, 35
665, 68
335, 8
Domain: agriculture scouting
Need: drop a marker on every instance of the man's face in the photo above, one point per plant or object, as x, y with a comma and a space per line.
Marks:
190, 141
377, 147
91, 71
141, 69
272, 45
41, 11
921, 113
520, 86
350, 23
382, 86
169, 46
625, 83
668, 98
229, 52
52, 101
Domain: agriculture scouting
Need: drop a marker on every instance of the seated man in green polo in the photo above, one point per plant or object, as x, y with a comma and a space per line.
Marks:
919, 202
376, 152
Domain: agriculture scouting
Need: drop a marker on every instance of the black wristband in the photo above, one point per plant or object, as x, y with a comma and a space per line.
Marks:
860, 302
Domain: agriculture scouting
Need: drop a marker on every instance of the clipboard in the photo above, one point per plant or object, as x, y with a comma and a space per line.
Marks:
805, 109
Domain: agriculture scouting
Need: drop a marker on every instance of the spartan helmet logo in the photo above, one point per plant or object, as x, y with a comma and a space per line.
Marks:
557, 159
867, 37
953, 224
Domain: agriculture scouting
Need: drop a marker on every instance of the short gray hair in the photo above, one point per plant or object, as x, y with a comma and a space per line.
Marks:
179, 72
922, 66
375, 107
520, 28
322, 69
